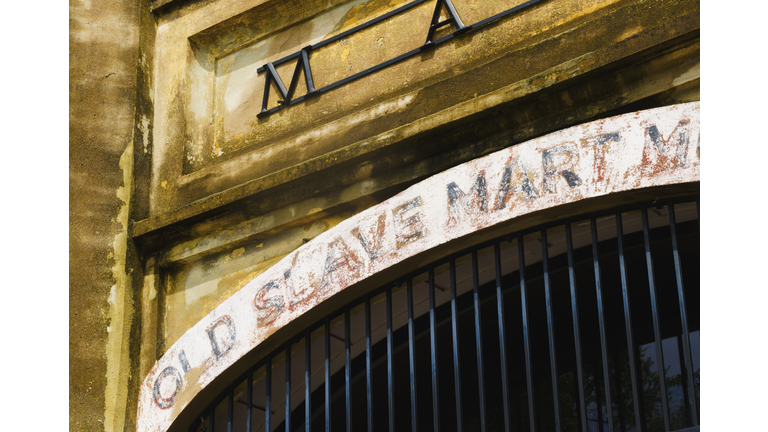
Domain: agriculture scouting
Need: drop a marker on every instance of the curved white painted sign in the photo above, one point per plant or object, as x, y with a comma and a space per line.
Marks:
632, 151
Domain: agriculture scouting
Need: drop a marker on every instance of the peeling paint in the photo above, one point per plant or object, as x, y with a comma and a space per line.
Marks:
144, 128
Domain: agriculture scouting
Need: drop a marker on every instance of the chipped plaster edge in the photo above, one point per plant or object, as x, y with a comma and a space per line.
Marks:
120, 313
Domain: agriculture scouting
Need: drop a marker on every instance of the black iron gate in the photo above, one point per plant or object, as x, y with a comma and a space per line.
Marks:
590, 324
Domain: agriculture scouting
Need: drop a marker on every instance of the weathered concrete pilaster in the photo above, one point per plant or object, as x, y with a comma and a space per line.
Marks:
103, 44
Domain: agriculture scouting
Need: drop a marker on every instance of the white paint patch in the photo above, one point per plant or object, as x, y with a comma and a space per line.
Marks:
195, 291
367, 186
243, 80
244, 83
347, 122
200, 91
144, 128
689, 75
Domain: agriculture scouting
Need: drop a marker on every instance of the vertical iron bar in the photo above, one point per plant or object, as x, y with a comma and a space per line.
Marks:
212, 417
600, 421
390, 380
628, 325
368, 368
268, 396
249, 402
455, 330
526, 341
412, 356
579, 414
550, 328
502, 338
478, 339
433, 346
685, 347
619, 398
656, 327
288, 387
683, 317
576, 331
601, 322
327, 374
347, 370
308, 381
230, 407
686, 395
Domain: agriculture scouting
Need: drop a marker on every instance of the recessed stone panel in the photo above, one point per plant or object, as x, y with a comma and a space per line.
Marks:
225, 86
208, 137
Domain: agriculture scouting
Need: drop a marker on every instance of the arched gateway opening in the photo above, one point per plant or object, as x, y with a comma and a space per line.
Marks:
553, 285
597, 305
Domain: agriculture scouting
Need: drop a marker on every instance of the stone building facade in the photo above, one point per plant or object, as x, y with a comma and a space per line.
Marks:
222, 151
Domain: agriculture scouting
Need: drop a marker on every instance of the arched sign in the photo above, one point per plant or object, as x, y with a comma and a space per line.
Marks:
632, 151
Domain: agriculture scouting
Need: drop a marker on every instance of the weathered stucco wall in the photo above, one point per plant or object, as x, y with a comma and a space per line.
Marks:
209, 140
180, 195
557, 64
103, 58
